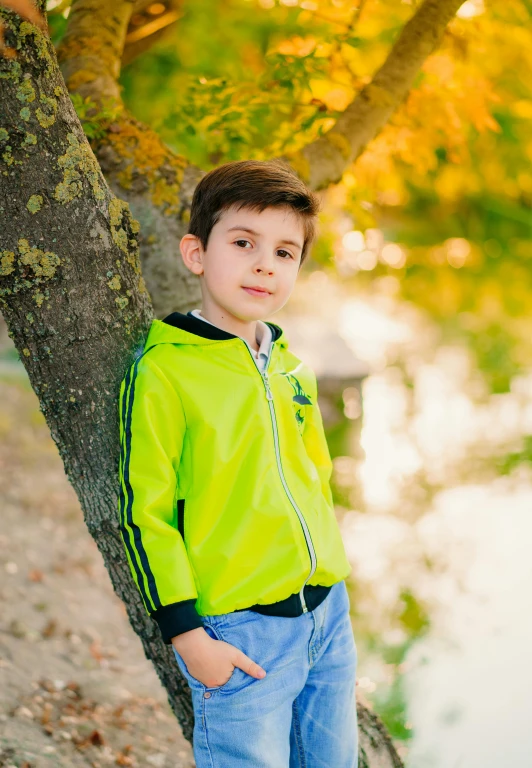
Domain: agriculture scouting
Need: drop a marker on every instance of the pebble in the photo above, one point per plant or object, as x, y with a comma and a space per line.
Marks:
157, 761
23, 712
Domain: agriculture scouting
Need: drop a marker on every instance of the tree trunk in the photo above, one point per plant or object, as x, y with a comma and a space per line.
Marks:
77, 309
75, 302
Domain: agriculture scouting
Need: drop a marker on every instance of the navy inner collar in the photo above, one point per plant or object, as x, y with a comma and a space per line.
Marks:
199, 327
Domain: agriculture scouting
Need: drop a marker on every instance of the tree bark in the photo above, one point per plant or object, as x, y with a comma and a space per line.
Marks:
376, 749
74, 298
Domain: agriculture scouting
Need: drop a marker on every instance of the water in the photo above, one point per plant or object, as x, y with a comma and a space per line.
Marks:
438, 532
469, 682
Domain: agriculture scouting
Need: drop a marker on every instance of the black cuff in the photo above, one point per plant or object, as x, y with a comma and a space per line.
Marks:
176, 618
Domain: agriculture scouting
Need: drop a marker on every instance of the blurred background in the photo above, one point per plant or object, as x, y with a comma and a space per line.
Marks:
414, 309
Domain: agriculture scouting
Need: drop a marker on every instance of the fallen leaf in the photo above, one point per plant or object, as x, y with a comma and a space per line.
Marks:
35, 575
122, 759
97, 739
95, 651
49, 628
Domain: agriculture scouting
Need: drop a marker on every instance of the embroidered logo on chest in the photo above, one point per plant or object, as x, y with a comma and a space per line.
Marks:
299, 398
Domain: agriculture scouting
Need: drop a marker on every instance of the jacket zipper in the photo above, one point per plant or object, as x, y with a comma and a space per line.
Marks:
269, 397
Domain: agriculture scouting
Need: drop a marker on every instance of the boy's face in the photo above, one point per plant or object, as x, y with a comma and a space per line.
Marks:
245, 249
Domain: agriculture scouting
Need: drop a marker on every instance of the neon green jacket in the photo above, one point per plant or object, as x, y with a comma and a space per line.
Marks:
224, 473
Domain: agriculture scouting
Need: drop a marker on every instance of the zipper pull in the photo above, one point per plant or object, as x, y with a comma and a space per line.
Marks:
269, 395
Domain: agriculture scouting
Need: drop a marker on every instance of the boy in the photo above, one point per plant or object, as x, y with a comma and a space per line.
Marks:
226, 510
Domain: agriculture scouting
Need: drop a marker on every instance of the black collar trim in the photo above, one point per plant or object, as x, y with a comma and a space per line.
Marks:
193, 324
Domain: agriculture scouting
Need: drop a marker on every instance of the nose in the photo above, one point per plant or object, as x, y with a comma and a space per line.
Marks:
263, 270
264, 265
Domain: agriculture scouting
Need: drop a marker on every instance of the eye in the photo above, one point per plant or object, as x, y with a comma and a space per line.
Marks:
280, 250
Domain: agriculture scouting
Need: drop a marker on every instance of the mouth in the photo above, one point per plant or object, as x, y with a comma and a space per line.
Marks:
256, 291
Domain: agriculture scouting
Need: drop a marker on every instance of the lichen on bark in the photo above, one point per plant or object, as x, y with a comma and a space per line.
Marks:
41, 44
43, 263
120, 220
46, 119
26, 91
34, 204
145, 159
77, 163
7, 260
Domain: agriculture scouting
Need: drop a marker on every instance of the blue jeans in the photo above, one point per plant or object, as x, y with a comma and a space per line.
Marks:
303, 713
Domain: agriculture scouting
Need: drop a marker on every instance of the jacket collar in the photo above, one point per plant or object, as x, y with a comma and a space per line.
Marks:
199, 327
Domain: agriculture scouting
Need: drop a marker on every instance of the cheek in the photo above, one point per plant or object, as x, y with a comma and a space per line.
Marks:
287, 281
221, 270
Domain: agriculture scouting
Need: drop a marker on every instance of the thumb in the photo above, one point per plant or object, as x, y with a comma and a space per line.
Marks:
248, 665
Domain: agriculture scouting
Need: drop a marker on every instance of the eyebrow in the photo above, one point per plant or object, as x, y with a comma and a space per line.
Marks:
257, 234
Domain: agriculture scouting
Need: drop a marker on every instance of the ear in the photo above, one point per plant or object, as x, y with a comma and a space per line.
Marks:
192, 253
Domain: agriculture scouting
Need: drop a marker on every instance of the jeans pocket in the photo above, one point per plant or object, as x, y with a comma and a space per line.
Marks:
193, 681
216, 635
238, 629
184, 670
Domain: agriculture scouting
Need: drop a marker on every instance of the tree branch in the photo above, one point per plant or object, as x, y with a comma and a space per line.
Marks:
140, 38
157, 183
98, 41
90, 52
323, 162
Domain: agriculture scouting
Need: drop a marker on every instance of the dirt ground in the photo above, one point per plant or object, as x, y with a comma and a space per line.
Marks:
75, 687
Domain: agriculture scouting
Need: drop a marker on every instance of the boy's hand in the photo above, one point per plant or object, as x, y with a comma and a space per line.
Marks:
212, 661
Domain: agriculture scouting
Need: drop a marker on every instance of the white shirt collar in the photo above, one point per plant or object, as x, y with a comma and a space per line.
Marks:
263, 338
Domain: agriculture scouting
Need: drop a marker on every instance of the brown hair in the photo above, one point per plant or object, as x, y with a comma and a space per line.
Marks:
254, 184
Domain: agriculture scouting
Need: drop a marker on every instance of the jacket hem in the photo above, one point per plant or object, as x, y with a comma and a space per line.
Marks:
291, 605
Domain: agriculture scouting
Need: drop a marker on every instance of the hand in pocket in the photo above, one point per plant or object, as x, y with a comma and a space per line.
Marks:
211, 661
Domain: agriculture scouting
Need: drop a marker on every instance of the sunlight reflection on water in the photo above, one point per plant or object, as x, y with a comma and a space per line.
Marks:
468, 682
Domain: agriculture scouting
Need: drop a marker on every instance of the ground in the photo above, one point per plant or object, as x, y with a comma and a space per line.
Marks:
75, 687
